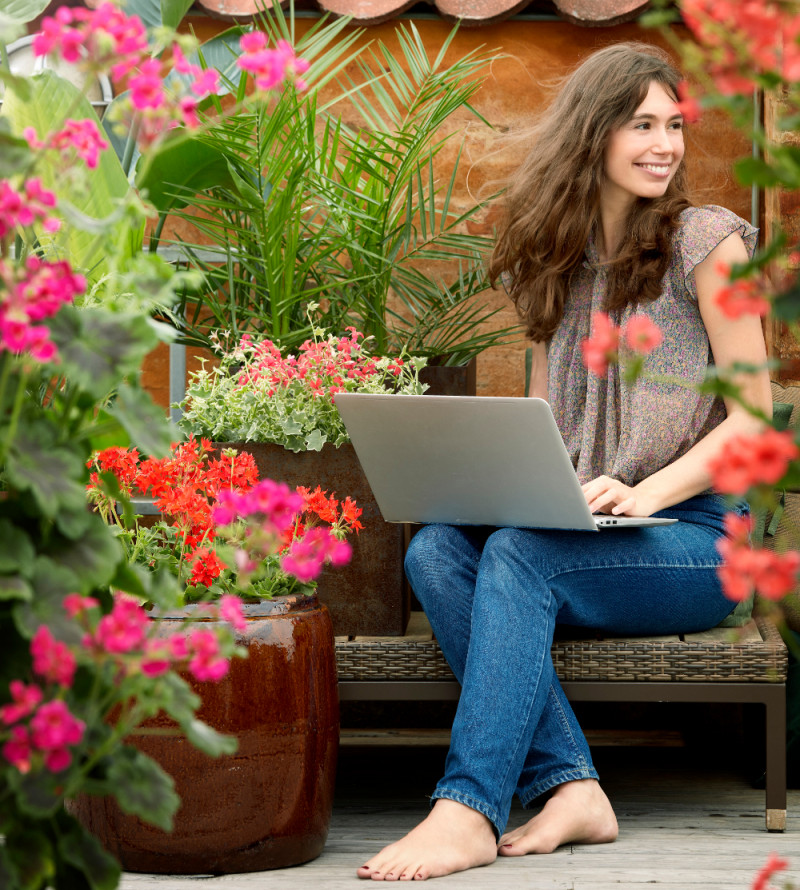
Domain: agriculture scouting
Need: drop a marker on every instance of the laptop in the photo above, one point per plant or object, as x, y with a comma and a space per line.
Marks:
470, 460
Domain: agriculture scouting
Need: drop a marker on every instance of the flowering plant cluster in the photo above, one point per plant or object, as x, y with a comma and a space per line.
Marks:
107, 39
222, 532
83, 662
257, 395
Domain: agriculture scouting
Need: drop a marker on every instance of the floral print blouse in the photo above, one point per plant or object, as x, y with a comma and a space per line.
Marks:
629, 431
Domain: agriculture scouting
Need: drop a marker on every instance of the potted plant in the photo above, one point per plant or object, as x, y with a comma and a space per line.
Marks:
309, 208
225, 536
280, 410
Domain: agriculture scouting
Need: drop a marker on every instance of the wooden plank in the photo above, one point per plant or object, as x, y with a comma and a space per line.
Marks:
597, 738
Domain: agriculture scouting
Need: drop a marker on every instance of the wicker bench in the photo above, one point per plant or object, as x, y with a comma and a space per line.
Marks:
747, 665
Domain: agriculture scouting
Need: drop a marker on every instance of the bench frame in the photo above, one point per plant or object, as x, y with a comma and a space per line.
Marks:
412, 668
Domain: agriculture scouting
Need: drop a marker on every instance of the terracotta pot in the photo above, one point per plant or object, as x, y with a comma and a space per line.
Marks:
367, 596
269, 804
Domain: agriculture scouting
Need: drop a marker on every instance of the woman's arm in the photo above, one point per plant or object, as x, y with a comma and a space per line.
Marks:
538, 385
732, 340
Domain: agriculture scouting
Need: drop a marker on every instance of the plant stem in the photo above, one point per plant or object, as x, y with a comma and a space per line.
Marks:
15, 412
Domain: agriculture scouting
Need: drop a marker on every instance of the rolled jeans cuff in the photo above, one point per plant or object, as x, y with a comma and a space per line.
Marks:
478, 805
571, 775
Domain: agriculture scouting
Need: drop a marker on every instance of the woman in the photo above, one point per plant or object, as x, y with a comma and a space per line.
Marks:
597, 219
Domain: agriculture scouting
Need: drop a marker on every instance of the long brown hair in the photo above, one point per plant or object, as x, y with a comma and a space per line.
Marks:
552, 203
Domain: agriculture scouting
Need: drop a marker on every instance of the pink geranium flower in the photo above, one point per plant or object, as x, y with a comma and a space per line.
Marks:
642, 334
52, 659
25, 699
124, 628
601, 347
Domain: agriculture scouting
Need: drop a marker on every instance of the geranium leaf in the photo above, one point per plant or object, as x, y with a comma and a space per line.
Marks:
38, 794
47, 472
315, 440
98, 347
144, 421
93, 558
17, 553
50, 584
208, 740
85, 853
143, 788
23, 11
29, 859
179, 701
12, 587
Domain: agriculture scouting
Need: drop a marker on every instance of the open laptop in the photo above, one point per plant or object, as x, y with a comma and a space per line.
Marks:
469, 460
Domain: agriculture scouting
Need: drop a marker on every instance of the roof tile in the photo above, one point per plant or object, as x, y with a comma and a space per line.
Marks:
470, 12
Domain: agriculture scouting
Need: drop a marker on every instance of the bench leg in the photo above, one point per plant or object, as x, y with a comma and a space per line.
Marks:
775, 702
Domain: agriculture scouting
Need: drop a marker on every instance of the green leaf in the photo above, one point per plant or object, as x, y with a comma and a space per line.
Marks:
149, 11
142, 788
208, 740
181, 168
85, 853
173, 11
97, 347
38, 795
12, 587
97, 196
93, 558
180, 702
48, 472
315, 440
17, 552
146, 424
786, 306
23, 11
50, 584
756, 171
15, 155
29, 859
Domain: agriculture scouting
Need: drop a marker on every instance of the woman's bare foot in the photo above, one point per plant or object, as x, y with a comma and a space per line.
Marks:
577, 812
452, 838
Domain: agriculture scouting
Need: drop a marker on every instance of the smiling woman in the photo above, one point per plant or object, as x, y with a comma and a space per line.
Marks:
598, 226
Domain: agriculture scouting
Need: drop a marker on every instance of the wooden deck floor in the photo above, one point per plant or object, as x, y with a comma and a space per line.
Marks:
686, 821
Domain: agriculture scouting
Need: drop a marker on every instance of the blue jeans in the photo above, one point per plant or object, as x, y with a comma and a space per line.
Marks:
494, 596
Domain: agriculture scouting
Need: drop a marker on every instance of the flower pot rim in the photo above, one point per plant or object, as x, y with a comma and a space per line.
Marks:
280, 605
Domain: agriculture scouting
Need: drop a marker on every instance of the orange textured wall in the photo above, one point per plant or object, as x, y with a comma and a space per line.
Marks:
533, 55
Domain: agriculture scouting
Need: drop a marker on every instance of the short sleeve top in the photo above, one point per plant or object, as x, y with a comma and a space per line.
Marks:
629, 431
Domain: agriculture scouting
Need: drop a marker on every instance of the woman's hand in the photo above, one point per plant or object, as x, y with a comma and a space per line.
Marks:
607, 495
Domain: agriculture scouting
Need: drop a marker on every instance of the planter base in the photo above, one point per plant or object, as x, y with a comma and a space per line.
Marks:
269, 804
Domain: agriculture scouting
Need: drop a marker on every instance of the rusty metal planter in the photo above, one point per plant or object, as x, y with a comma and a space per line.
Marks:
269, 804
368, 596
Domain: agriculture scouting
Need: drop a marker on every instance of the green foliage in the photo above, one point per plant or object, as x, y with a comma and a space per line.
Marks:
308, 208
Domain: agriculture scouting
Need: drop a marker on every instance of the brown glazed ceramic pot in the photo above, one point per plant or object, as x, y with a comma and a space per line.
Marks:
269, 804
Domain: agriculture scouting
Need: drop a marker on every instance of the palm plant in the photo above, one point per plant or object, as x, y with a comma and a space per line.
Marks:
312, 217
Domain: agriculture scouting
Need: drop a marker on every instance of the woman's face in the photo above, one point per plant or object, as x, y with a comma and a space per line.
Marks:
643, 155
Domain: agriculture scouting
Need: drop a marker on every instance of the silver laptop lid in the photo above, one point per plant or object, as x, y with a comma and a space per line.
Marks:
467, 460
